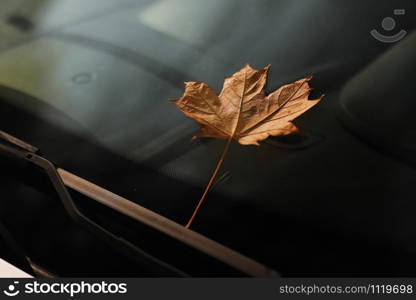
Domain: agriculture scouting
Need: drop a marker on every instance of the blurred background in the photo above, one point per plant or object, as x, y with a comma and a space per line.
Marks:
88, 82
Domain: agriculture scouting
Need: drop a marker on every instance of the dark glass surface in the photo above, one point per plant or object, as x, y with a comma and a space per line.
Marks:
98, 76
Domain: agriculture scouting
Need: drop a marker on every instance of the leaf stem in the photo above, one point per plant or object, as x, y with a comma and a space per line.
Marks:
211, 181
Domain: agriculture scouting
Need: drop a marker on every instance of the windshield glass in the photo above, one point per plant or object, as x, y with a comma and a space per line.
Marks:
89, 83
111, 67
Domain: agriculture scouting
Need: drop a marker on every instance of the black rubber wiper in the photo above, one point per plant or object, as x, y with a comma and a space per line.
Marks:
207, 250
15, 148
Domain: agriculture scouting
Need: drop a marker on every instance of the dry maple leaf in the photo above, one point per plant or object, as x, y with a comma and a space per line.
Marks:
243, 112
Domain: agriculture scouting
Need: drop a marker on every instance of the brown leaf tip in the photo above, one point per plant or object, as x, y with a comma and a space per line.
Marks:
249, 67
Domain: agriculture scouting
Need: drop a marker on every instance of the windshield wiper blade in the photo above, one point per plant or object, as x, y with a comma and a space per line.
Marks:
27, 152
17, 142
62, 179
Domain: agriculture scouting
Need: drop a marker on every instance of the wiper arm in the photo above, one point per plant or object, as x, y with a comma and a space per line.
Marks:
27, 152
14, 147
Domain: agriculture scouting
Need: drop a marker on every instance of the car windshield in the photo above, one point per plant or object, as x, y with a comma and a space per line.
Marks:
110, 67
89, 83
